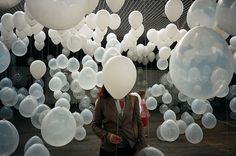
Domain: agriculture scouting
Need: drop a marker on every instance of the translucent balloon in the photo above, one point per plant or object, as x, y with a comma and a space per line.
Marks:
87, 78
57, 94
135, 19
232, 104
116, 84
111, 52
49, 14
73, 65
58, 118
79, 119
174, 9
150, 151
169, 115
201, 13
36, 113
182, 97
74, 86
113, 43
111, 36
158, 132
42, 115
114, 5
169, 130
99, 52
36, 90
74, 43
198, 71
7, 21
80, 133
172, 31
75, 75
163, 108
188, 119
86, 58
40, 37
209, 120
55, 84
194, 133
162, 64
225, 16
66, 96
199, 106
62, 102
62, 61
115, 21
164, 53
5, 58
27, 106
87, 116
182, 126
40, 149
166, 98
94, 92
5, 82
6, 113
99, 79
151, 103
8, 97
90, 21
33, 140
9, 137
19, 20
103, 19
37, 69
152, 35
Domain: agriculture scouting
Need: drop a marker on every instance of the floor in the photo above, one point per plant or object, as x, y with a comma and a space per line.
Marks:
220, 141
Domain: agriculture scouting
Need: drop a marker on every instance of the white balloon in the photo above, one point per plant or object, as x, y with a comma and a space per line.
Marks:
169, 130
79, 119
174, 9
40, 37
194, 133
27, 106
135, 19
209, 120
62, 61
103, 19
87, 78
182, 126
115, 5
37, 69
55, 84
40, 149
87, 116
19, 20
7, 21
115, 21
91, 21
152, 35
6, 4
80, 133
110, 53
19, 48
73, 65
74, 43
169, 115
92, 4
62, 102
164, 53
58, 15
39, 45
99, 79
115, 82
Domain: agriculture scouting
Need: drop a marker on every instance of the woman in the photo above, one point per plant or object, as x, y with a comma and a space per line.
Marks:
117, 123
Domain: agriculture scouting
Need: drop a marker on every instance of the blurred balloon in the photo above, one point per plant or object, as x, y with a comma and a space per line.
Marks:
202, 13
55, 84
40, 149
194, 133
87, 78
58, 118
79, 119
169, 115
198, 71
103, 19
135, 19
166, 98
62, 102
80, 133
225, 15
199, 106
48, 12
174, 9
209, 120
115, 21
9, 137
18, 80
6, 113
87, 116
92, 64
111, 52
36, 90
74, 43
5, 57
37, 69
27, 106
99, 76
19, 20
169, 130
73, 65
33, 140
232, 104
6, 4
62, 61
8, 96
99, 52
162, 64
113, 76
114, 5
182, 126
19, 48
163, 108
5, 82
150, 151
151, 103
164, 53
36, 113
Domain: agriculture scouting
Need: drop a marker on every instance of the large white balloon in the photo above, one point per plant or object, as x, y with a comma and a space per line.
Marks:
59, 14
37, 69
115, 5
5, 4
196, 69
9, 137
174, 9
115, 82
58, 127
92, 4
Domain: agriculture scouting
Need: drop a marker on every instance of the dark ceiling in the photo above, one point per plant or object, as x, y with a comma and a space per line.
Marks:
152, 10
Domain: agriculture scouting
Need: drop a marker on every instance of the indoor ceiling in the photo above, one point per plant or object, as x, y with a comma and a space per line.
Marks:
152, 10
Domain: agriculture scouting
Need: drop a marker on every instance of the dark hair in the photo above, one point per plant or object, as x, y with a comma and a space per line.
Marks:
104, 93
142, 94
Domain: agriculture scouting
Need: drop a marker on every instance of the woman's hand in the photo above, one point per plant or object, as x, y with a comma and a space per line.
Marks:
115, 139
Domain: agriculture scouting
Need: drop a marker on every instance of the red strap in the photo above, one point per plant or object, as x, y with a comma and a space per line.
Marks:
122, 104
